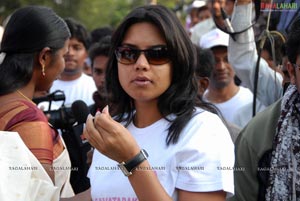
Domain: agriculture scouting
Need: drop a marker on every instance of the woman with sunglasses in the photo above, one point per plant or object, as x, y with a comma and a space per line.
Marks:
167, 147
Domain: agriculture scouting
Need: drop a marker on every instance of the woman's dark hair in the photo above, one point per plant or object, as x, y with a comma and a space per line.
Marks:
293, 42
27, 32
180, 98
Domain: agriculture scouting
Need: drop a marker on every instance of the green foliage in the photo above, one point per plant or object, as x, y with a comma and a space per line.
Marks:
91, 13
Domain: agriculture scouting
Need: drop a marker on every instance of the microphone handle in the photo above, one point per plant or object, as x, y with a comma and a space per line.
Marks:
228, 25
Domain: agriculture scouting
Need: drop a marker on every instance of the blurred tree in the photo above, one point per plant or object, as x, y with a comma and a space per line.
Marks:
91, 13
6, 7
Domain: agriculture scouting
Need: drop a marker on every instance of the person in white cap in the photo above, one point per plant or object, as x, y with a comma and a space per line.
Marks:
243, 55
222, 90
193, 11
268, 147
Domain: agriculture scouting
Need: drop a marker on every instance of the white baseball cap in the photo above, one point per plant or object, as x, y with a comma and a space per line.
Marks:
196, 4
214, 38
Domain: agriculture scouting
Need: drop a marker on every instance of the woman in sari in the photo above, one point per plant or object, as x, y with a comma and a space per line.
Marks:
33, 46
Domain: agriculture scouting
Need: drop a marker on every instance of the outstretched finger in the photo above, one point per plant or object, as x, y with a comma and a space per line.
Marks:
92, 134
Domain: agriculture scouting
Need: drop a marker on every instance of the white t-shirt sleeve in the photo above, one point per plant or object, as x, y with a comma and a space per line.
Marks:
205, 162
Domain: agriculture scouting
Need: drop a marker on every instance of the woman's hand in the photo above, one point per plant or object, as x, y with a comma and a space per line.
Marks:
110, 137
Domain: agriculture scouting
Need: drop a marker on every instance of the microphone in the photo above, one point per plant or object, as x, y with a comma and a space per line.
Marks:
226, 21
54, 96
80, 111
77, 145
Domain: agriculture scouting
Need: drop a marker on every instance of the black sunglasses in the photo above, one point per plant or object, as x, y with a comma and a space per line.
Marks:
156, 55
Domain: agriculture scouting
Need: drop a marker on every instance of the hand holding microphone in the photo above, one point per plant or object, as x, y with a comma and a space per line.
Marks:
221, 18
226, 21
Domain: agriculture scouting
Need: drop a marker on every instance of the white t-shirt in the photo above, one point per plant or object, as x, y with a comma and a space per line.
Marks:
232, 106
245, 113
201, 161
79, 89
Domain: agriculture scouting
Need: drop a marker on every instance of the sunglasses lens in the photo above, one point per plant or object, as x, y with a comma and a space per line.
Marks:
157, 55
126, 55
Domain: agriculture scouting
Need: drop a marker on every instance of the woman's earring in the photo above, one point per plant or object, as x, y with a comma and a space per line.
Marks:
43, 70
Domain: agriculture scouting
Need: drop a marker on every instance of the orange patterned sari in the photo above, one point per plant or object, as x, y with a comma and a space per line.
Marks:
32, 125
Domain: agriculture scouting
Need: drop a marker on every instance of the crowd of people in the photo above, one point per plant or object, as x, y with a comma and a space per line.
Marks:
169, 111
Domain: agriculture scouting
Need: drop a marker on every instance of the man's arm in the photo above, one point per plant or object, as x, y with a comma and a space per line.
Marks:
243, 56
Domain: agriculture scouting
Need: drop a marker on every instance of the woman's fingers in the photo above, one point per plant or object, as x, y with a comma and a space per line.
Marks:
92, 134
105, 124
99, 132
105, 110
110, 137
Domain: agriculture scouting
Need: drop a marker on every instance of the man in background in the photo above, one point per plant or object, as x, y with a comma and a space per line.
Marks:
76, 85
73, 82
222, 90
